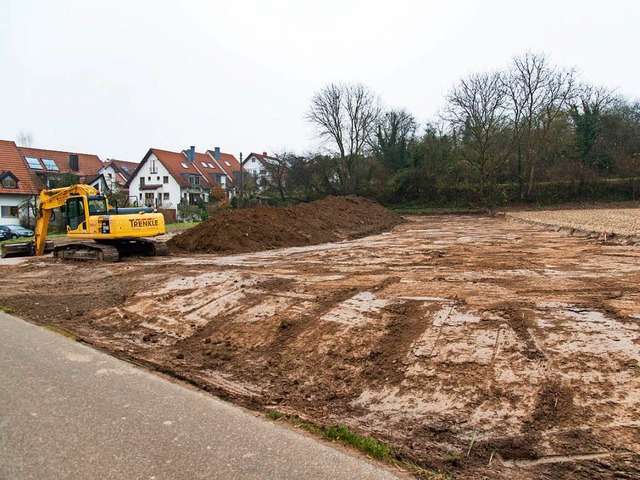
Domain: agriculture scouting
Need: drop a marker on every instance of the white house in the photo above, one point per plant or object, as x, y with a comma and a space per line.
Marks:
257, 165
164, 178
117, 173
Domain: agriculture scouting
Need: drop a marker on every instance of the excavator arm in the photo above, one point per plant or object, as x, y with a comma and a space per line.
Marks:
50, 199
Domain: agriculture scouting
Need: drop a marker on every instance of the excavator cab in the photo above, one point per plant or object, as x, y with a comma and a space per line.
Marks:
78, 209
75, 214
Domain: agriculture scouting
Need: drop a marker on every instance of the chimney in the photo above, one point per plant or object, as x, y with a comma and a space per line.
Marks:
216, 153
73, 162
191, 154
264, 154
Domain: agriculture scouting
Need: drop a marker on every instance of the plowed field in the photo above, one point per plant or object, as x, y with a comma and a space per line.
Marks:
477, 346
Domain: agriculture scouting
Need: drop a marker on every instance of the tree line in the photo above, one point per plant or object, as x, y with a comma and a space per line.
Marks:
532, 132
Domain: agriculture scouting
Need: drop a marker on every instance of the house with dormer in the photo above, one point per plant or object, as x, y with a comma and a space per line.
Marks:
165, 179
117, 173
55, 168
19, 188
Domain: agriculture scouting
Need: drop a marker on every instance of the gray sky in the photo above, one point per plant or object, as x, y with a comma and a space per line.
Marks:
118, 77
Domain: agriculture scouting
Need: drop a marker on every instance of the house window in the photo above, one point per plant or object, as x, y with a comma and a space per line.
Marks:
228, 164
149, 178
148, 199
253, 160
140, 196
158, 178
153, 168
9, 212
262, 171
165, 196
110, 176
33, 163
184, 165
165, 179
50, 164
9, 183
194, 180
141, 181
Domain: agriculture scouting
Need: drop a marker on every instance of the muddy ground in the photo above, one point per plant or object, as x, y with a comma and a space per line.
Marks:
477, 346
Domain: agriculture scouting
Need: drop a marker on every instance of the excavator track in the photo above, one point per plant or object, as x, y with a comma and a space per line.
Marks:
86, 251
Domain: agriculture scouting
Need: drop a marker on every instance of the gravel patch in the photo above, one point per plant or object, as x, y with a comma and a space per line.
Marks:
623, 222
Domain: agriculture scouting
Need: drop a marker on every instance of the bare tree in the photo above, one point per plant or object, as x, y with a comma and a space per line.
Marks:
277, 168
539, 92
346, 115
478, 111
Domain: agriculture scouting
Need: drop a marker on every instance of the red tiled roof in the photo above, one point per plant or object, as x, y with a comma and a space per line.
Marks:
123, 169
228, 163
88, 164
208, 167
263, 159
175, 163
12, 161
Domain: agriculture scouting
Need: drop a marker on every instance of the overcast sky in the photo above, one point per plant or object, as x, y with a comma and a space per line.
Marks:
118, 77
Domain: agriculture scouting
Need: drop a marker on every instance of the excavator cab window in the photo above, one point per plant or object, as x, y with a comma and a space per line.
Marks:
97, 205
74, 212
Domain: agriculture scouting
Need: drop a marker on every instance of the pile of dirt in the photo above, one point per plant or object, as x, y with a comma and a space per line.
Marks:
261, 228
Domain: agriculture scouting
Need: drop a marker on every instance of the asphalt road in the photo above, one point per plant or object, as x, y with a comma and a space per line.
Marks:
70, 412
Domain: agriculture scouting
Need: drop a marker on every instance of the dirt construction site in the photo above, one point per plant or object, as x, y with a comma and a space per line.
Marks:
499, 347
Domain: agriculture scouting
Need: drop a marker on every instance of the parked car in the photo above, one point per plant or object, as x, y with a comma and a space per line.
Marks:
14, 231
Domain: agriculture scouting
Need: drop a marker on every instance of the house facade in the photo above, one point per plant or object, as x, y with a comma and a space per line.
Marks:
117, 173
165, 179
19, 188
257, 166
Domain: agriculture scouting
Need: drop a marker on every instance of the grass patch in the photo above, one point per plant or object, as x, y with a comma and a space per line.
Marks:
369, 446
275, 415
63, 332
6, 309
418, 209
180, 226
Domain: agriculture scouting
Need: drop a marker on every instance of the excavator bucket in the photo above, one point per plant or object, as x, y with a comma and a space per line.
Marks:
23, 249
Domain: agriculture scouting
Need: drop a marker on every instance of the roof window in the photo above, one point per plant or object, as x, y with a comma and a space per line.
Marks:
184, 165
228, 164
50, 164
203, 164
33, 163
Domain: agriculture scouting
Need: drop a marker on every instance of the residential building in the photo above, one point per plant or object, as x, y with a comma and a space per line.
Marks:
117, 173
164, 178
55, 168
18, 186
233, 179
257, 166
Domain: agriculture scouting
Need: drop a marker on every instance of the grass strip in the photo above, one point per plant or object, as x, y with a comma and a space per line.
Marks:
369, 446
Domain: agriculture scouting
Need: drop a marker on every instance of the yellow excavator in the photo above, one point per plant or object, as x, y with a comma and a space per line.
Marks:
113, 232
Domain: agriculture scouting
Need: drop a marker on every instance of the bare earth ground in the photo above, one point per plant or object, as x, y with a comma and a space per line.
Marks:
446, 330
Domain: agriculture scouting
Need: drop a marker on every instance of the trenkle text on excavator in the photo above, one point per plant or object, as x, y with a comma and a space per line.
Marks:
98, 231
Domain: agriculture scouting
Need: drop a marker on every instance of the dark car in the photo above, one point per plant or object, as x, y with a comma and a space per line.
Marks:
14, 231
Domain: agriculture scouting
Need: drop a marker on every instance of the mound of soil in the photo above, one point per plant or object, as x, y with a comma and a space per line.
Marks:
261, 228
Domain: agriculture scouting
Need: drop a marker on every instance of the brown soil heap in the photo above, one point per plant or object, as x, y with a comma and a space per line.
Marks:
261, 228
